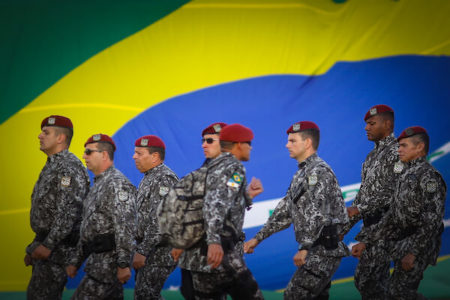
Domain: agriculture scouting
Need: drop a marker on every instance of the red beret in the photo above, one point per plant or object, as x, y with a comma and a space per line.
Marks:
150, 141
410, 131
236, 133
302, 125
100, 138
377, 109
214, 128
58, 121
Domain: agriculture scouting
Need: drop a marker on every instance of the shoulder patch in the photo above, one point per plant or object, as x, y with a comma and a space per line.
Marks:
312, 179
431, 186
123, 195
163, 190
235, 180
398, 167
65, 181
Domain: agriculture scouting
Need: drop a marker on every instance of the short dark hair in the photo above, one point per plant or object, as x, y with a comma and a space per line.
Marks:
68, 132
388, 116
161, 151
313, 134
422, 138
105, 146
226, 145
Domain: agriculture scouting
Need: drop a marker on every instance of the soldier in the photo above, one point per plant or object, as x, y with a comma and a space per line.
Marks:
414, 223
314, 205
108, 227
217, 267
378, 178
211, 149
152, 261
56, 205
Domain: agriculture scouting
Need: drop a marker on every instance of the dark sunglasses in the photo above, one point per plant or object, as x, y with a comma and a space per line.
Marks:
89, 151
249, 143
209, 140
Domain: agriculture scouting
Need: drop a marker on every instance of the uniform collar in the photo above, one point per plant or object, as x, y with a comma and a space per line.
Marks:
154, 169
308, 160
57, 156
386, 141
104, 173
416, 161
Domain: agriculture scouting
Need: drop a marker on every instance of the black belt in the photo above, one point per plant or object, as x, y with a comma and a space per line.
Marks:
100, 243
70, 240
328, 238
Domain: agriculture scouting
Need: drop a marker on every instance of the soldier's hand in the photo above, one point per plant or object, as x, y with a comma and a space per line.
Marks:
255, 187
27, 260
41, 252
249, 246
358, 249
408, 262
176, 253
215, 255
352, 211
71, 271
138, 261
123, 274
300, 258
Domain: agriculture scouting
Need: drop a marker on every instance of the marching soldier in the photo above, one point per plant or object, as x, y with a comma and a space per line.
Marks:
314, 205
108, 227
152, 261
379, 176
56, 205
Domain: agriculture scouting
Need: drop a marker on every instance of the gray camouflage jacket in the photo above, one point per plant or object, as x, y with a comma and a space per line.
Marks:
415, 218
224, 205
153, 187
320, 204
57, 201
379, 176
110, 208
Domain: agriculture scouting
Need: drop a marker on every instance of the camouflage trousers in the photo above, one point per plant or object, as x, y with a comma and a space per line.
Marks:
92, 289
236, 280
372, 273
150, 281
47, 281
403, 284
313, 279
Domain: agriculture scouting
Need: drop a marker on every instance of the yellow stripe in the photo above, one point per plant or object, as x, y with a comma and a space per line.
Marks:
81, 105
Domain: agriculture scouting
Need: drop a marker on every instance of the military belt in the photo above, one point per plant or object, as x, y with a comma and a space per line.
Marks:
70, 240
99, 244
374, 218
328, 238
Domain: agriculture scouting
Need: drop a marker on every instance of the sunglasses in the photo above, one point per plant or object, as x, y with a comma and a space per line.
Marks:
249, 143
209, 140
89, 151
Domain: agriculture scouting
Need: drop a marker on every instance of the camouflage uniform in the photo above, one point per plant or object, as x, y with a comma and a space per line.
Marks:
55, 217
109, 211
413, 225
378, 178
312, 203
224, 208
159, 263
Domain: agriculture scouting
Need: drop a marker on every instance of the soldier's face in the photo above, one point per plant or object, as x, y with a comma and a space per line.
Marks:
408, 151
376, 128
211, 145
246, 148
48, 139
143, 159
296, 146
93, 157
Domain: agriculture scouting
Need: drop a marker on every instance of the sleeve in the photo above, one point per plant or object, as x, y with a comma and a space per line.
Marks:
124, 217
221, 190
433, 194
151, 234
71, 190
279, 220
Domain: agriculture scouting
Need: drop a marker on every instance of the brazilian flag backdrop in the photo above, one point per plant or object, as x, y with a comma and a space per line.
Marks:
170, 68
